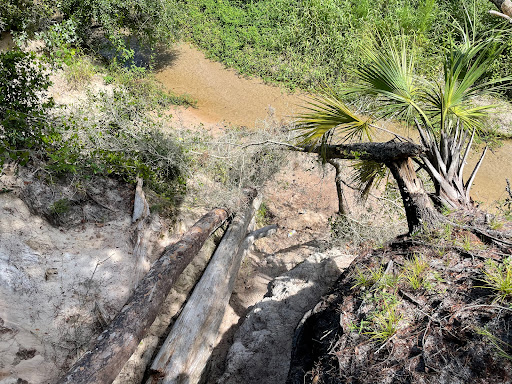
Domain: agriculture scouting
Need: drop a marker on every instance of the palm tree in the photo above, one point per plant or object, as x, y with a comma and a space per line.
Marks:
442, 111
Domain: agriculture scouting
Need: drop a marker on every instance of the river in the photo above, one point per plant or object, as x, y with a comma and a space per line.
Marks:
222, 95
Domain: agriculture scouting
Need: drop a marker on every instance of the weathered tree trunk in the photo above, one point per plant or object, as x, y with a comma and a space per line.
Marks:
116, 344
184, 354
419, 209
342, 204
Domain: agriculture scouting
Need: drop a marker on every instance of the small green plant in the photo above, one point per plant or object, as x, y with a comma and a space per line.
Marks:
495, 224
79, 72
467, 244
384, 323
359, 327
389, 280
498, 277
499, 345
414, 272
262, 215
60, 207
108, 79
367, 278
447, 231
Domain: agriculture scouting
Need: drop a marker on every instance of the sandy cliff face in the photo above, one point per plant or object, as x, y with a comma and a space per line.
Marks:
54, 279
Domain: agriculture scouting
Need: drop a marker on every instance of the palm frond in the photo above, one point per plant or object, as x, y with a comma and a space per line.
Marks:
388, 74
368, 174
465, 67
328, 118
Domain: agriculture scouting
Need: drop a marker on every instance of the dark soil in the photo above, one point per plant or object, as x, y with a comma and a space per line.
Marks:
375, 327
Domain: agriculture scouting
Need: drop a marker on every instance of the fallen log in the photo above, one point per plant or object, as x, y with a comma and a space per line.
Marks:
115, 345
188, 347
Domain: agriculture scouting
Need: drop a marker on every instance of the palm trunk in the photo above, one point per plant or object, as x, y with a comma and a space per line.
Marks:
419, 209
444, 162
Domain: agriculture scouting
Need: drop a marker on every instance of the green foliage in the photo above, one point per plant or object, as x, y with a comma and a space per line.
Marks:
23, 106
384, 323
324, 112
310, 43
25, 16
262, 215
498, 277
60, 207
79, 71
502, 348
414, 272
152, 22
384, 320
113, 135
367, 278
61, 41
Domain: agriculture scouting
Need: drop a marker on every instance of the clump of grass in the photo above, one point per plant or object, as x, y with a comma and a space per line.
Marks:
79, 72
466, 243
367, 277
60, 207
414, 272
499, 345
498, 278
495, 224
384, 323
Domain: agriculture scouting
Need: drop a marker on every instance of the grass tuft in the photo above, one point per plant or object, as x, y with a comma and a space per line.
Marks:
498, 277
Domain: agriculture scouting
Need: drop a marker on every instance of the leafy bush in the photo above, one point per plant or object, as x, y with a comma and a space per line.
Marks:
24, 15
111, 134
153, 22
24, 106
60, 41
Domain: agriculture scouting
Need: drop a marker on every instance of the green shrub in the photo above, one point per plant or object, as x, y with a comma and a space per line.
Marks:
24, 128
79, 71
61, 41
25, 16
113, 135
152, 22
498, 278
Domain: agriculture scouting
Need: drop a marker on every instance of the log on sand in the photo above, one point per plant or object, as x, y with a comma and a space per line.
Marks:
115, 345
188, 347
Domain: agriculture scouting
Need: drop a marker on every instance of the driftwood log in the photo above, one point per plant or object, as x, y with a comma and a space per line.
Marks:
188, 347
115, 345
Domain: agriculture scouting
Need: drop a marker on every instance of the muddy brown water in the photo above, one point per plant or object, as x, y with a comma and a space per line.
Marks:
223, 95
